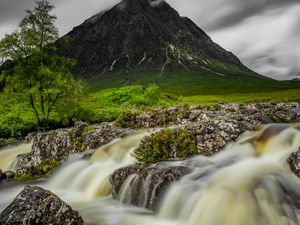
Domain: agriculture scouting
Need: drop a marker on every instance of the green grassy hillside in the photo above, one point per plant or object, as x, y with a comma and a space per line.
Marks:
108, 97
191, 83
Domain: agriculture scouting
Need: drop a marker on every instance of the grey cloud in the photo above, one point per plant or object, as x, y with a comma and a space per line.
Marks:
267, 43
13, 10
243, 9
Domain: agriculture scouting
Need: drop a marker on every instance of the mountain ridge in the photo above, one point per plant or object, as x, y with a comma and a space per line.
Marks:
143, 35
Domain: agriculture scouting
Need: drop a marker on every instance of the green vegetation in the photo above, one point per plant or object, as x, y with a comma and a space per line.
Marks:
40, 92
17, 118
38, 75
201, 82
292, 95
106, 105
165, 144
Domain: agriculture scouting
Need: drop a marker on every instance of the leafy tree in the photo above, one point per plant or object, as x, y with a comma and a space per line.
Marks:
38, 71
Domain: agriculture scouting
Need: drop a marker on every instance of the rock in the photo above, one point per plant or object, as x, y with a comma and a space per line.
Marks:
186, 141
30, 136
102, 134
34, 205
248, 114
148, 184
294, 162
8, 175
51, 149
80, 124
1, 175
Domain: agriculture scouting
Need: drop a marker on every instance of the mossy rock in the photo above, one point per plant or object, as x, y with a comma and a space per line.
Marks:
46, 168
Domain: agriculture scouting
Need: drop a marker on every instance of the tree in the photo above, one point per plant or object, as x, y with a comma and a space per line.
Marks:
38, 71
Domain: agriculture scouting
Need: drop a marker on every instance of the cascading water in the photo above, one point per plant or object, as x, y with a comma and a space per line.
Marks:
248, 183
91, 177
9, 154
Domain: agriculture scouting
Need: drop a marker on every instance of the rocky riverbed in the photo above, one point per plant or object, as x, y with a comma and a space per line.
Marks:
181, 132
212, 127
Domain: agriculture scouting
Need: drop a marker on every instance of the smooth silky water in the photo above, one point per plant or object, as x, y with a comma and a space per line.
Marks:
8, 155
248, 183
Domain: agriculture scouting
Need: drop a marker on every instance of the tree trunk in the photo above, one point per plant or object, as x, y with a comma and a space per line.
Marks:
51, 106
35, 110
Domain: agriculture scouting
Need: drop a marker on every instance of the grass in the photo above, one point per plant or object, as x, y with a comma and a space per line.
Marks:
194, 83
108, 97
292, 95
17, 118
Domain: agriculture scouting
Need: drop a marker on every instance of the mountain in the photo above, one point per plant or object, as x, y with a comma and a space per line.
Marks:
145, 36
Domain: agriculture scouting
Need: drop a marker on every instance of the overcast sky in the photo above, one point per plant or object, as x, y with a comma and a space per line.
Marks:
264, 34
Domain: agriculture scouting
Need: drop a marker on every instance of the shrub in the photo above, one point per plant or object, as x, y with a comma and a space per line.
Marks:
127, 119
12, 126
166, 144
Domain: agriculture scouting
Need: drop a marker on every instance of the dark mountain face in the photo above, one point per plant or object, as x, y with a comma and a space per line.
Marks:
138, 35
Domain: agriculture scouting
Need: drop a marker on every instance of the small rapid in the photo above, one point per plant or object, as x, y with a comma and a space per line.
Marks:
8, 155
248, 183
90, 177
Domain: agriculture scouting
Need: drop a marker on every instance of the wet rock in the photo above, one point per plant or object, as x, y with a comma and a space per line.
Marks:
211, 137
34, 205
147, 184
51, 149
30, 136
294, 162
186, 141
102, 134
8, 175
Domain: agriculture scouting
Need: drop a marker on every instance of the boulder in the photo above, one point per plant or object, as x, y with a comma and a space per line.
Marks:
8, 175
36, 206
145, 186
53, 148
294, 162
182, 142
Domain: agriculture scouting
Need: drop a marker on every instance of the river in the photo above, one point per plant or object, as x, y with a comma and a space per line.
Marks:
248, 183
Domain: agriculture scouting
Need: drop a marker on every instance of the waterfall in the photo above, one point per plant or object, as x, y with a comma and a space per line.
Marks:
248, 183
9, 154
90, 177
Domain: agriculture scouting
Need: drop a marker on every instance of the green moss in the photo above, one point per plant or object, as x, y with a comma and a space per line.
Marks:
184, 111
128, 119
165, 144
46, 168
88, 128
78, 144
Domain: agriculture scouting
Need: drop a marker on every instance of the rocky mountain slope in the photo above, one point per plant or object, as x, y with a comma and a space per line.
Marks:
144, 35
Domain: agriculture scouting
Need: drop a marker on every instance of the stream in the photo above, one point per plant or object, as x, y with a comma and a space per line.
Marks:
248, 183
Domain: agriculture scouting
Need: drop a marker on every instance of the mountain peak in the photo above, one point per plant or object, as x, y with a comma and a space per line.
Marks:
143, 35
148, 2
